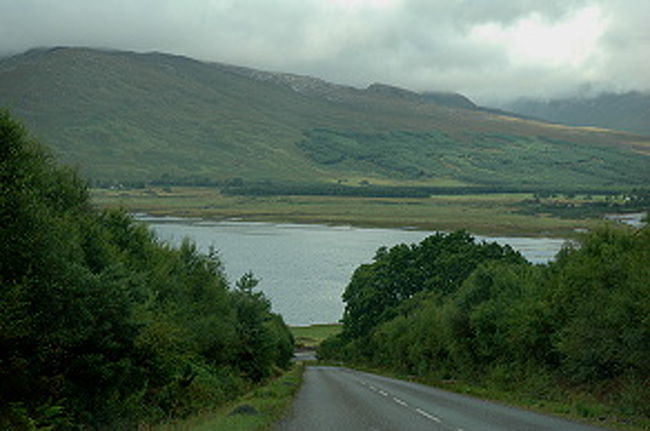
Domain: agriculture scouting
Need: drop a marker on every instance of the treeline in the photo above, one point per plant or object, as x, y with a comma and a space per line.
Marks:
636, 201
247, 187
268, 188
101, 325
451, 308
324, 189
167, 180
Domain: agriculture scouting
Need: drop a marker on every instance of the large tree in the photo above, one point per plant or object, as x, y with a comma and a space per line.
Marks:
439, 263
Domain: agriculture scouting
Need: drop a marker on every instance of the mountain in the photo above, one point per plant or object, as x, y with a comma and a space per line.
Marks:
315, 87
625, 111
124, 116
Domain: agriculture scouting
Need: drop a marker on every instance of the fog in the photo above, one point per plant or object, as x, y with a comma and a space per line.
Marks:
492, 51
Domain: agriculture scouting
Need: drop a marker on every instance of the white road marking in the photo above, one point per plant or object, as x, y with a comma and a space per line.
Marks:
428, 415
404, 404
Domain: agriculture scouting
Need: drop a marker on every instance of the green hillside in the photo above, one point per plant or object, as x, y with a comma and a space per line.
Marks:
123, 116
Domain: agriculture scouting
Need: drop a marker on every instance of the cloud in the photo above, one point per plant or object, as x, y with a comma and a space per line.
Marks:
490, 50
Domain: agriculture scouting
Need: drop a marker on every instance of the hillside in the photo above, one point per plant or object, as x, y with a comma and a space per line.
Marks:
627, 111
123, 116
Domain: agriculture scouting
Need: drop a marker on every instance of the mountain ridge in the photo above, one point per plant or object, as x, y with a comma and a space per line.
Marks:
141, 116
313, 86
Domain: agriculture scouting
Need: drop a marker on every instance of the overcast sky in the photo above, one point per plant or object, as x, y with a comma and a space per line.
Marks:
489, 50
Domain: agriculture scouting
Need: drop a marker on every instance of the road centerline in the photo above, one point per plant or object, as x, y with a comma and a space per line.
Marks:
428, 415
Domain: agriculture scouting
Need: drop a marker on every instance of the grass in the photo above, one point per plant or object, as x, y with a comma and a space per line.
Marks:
574, 405
310, 337
271, 401
481, 214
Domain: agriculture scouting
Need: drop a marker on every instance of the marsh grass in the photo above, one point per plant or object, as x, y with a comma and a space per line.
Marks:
497, 214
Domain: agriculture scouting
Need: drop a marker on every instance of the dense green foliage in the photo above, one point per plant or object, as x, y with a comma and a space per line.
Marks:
478, 158
438, 264
154, 117
102, 326
580, 321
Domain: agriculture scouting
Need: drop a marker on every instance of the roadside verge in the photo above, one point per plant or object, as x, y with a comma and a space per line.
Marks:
255, 411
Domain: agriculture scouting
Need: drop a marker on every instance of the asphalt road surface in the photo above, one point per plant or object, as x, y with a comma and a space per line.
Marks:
340, 399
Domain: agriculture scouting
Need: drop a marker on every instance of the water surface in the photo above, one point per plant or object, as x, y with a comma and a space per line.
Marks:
304, 268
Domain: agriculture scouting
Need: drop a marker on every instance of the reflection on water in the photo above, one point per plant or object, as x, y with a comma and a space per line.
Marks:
304, 268
632, 219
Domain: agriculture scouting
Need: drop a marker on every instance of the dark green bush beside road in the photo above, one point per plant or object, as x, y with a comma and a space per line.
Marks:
579, 324
102, 326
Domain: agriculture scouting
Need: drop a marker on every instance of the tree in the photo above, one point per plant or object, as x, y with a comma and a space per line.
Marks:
67, 328
601, 296
101, 325
439, 263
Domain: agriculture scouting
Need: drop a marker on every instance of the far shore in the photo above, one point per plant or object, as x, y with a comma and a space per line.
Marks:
490, 215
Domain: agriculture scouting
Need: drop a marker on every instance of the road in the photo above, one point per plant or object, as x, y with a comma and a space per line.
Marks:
340, 399
304, 355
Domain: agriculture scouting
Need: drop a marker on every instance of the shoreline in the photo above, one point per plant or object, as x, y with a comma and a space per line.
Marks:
172, 216
493, 215
163, 217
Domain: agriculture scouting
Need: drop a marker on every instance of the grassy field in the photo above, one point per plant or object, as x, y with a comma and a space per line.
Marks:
270, 401
496, 214
311, 336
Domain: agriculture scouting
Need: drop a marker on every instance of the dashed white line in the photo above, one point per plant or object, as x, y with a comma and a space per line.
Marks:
404, 404
428, 415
